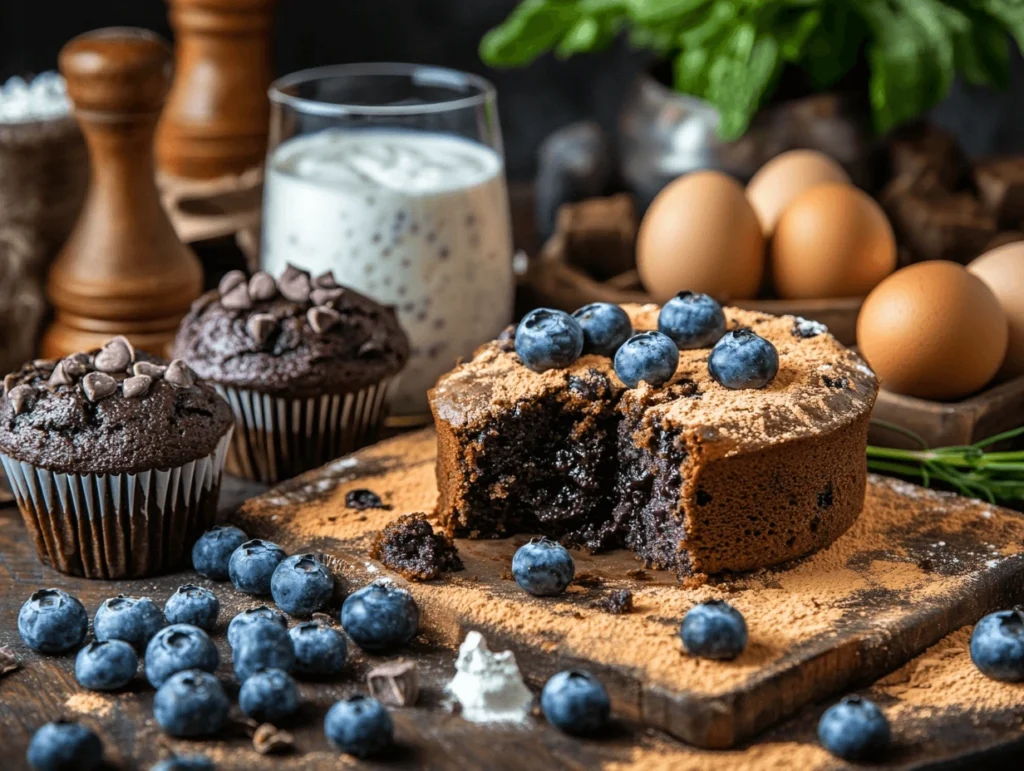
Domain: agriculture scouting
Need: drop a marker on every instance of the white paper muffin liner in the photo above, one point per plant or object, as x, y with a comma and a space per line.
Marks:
118, 525
278, 438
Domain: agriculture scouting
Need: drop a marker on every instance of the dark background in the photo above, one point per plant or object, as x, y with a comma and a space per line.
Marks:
533, 101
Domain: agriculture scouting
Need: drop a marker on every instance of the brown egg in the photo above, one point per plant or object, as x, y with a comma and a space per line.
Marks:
933, 330
831, 241
1002, 269
784, 177
700, 234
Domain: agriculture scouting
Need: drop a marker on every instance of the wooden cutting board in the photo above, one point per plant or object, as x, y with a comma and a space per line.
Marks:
916, 566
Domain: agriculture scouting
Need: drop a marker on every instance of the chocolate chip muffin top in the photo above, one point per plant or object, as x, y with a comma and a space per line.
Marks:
297, 336
109, 411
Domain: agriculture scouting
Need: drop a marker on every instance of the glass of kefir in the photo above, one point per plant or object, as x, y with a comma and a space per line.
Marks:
392, 176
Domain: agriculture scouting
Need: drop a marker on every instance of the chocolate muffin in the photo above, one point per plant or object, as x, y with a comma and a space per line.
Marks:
305, 364
115, 459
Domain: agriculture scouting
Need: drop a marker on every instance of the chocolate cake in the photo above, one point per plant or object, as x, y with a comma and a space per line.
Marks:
691, 476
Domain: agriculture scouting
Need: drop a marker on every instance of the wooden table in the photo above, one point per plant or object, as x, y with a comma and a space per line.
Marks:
430, 735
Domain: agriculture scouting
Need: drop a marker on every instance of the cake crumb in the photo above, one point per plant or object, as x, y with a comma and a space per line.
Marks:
89, 704
410, 547
639, 574
617, 603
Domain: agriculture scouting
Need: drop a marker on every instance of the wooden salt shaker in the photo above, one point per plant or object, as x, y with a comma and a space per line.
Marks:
123, 270
218, 113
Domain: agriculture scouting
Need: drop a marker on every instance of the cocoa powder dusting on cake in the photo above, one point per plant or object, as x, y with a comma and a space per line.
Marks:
411, 548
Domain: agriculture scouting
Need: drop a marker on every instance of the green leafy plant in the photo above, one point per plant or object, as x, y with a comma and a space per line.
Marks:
731, 52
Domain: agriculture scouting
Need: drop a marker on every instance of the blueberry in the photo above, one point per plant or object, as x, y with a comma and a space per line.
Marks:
132, 619
743, 359
263, 646
178, 648
252, 565
252, 617
319, 650
213, 550
548, 339
605, 327
106, 666
268, 696
575, 702
997, 646
301, 585
714, 630
52, 621
380, 617
854, 729
191, 703
360, 726
649, 356
195, 605
692, 320
542, 567
185, 763
64, 746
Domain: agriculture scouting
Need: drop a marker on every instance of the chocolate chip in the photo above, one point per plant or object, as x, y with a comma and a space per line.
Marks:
115, 356
291, 273
178, 374
294, 286
136, 386
322, 319
325, 296
396, 683
9, 381
230, 282
74, 367
22, 398
47, 364
237, 299
202, 302
262, 286
98, 385
149, 369
326, 281
260, 327
60, 376
371, 348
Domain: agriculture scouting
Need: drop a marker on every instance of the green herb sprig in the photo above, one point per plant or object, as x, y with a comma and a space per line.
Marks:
972, 470
731, 52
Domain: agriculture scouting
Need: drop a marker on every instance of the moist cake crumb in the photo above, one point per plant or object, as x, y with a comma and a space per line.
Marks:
617, 602
410, 547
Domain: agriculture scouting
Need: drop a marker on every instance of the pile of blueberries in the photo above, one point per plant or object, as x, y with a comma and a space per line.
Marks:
551, 339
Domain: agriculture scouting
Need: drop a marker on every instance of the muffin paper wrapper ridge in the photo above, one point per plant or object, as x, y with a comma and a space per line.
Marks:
118, 525
278, 438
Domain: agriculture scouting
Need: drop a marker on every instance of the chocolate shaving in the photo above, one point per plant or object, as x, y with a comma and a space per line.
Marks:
136, 386
294, 285
149, 369
269, 740
178, 374
237, 299
325, 296
22, 398
262, 286
9, 661
98, 385
326, 281
396, 683
231, 281
322, 319
260, 327
115, 356
59, 376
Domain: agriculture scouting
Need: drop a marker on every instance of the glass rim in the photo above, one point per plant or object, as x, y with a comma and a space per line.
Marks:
432, 75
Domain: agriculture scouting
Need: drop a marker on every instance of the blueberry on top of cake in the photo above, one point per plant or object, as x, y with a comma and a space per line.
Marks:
749, 460
109, 411
296, 336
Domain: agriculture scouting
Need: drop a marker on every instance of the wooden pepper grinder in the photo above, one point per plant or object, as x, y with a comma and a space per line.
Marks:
218, 113
123, 270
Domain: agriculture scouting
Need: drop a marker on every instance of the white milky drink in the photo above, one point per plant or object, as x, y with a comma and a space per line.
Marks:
415, 220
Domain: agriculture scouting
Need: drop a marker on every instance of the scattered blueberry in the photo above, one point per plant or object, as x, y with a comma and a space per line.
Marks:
178, 648
854, 729
548, 339
268, 696
649, 356
997, 646
263, 646
543, 567
191, 703
106, 666
605, 327
319, 650
212, 552
195, 605
360, 726
185, 763
380, 617
252, 565
64, 746
301, 585
241, 623
132, 619
743, 359
714, 630
692, 320
575, 702
52, 621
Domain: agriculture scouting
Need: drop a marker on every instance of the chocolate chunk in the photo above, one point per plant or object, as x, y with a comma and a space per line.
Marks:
22, 398
262, 286
270, 740
136, 386
59, 376
230, 282
178, 374
325, 296
9, 381
260, 327
82, 358
149, 369
322, 319
291, 273
47, 364
363, 499
396, 683
371, 348
203, 301
74, 367
115, 356
617, 602
294, 285
237, 299
98, 385
326, 281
